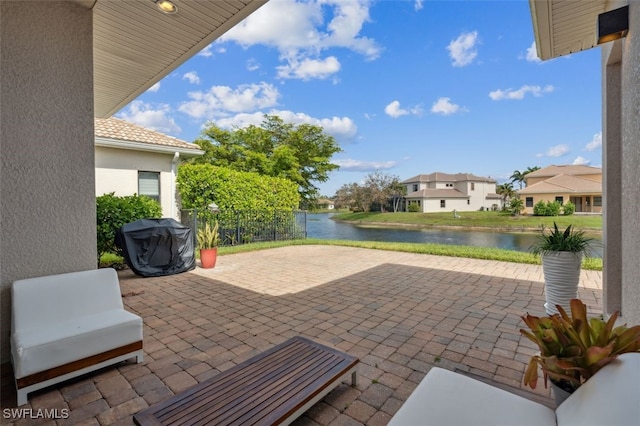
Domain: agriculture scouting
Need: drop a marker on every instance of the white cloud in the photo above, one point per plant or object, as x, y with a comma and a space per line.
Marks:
154, 88
146, 115
298, 30
596, 142
222, 100
393, 110
192, 76
417, 5
557, 151
537, 91
350, 165
444, 106
532, 54
581, 161
308, 69
207, 51
463, 49
253, 65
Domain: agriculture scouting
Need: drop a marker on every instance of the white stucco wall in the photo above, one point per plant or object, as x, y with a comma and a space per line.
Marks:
117, 171
433, 205
47, 188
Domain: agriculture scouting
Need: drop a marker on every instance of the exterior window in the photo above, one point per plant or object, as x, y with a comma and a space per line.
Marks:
468, 202
473, 186
443, 204
528, 202
597, 201
415, 187
560, 200
149, 184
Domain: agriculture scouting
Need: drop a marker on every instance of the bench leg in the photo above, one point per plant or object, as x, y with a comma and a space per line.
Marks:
354, 379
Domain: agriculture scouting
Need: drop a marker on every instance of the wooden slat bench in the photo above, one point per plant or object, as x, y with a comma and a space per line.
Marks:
272, 388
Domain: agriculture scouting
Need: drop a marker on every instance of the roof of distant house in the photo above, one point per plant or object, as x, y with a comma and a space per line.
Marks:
447, 177
569, 169
117, 133
564, 183
437, 193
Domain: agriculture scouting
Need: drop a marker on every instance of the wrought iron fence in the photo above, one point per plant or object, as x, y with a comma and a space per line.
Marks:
249, 226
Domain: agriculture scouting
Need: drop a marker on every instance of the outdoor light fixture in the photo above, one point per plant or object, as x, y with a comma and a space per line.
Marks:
213, 207
613, 25
166, 6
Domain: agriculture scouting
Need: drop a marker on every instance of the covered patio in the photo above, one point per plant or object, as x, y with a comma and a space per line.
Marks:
400, 313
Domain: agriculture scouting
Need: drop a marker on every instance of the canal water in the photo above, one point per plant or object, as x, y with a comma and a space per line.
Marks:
320, 225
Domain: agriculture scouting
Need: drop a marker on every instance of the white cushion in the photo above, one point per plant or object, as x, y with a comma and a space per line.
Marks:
610, 397
55, 344
55, 298
444, 398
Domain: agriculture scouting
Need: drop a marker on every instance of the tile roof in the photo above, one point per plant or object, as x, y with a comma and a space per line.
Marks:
437, 193
562, 184
447, 177
568, 169
121, 130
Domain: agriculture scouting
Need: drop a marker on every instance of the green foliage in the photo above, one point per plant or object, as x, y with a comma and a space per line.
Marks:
208, 236
573, 348
201, 184
548, 208
300, 153
516, 206
557, 240
569, 208
413, 208
112, 212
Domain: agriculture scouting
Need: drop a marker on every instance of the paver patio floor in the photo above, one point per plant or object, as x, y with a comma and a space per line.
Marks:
400, 313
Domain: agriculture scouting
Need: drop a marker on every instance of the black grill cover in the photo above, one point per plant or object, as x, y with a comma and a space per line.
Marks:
157, 247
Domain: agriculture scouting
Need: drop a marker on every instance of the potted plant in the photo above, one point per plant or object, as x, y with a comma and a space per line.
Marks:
561, 253
573, 348
208, 240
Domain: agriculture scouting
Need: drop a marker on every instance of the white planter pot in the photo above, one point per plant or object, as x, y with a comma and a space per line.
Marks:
561, 276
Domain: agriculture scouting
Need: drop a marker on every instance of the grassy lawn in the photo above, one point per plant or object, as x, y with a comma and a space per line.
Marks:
476, 219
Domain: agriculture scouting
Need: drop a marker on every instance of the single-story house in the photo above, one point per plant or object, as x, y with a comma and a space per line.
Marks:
438, 192
131, 159
582, 185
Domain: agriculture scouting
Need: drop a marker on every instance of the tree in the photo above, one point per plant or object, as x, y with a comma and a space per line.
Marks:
518, 177
352, 196
381, 187
506, 191
516, 206
300, 153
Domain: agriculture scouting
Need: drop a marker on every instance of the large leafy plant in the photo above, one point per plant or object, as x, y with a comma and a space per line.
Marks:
573, 348
208, 236
570, 240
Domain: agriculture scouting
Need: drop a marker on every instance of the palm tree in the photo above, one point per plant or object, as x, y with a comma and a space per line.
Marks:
516, 206
526, 172
517, 176
506, 191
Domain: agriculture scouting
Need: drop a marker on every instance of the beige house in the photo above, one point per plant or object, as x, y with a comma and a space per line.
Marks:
564, 27
131, 159
581, 185
440, 192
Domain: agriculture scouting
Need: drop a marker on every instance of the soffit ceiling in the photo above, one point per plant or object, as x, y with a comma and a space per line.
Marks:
563, 27
135, 45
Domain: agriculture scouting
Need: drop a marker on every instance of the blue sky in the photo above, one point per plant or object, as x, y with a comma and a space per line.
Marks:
406, 87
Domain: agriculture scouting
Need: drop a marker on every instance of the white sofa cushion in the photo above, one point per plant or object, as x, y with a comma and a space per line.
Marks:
57, 344
610, 397
444, 398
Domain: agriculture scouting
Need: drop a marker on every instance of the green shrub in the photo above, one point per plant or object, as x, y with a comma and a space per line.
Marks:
112, 212
201, 184
569, 208
540, 209
413, 208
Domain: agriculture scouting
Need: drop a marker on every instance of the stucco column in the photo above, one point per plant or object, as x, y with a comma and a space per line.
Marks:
47, 187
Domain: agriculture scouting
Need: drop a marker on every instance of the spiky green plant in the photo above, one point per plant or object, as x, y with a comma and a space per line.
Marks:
572, 349
569, 240
208, 236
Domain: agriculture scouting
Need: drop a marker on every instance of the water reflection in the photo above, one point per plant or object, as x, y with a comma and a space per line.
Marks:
319, 225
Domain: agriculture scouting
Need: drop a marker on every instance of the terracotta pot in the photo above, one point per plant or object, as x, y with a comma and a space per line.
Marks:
208, 257
561, 276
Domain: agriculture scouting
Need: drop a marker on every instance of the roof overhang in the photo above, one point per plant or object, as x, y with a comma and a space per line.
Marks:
140, 146
135, 45
562, 27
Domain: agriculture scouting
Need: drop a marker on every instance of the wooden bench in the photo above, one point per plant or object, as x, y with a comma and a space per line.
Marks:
272, 388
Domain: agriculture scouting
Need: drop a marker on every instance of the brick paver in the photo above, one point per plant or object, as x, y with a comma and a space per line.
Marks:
400, 313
